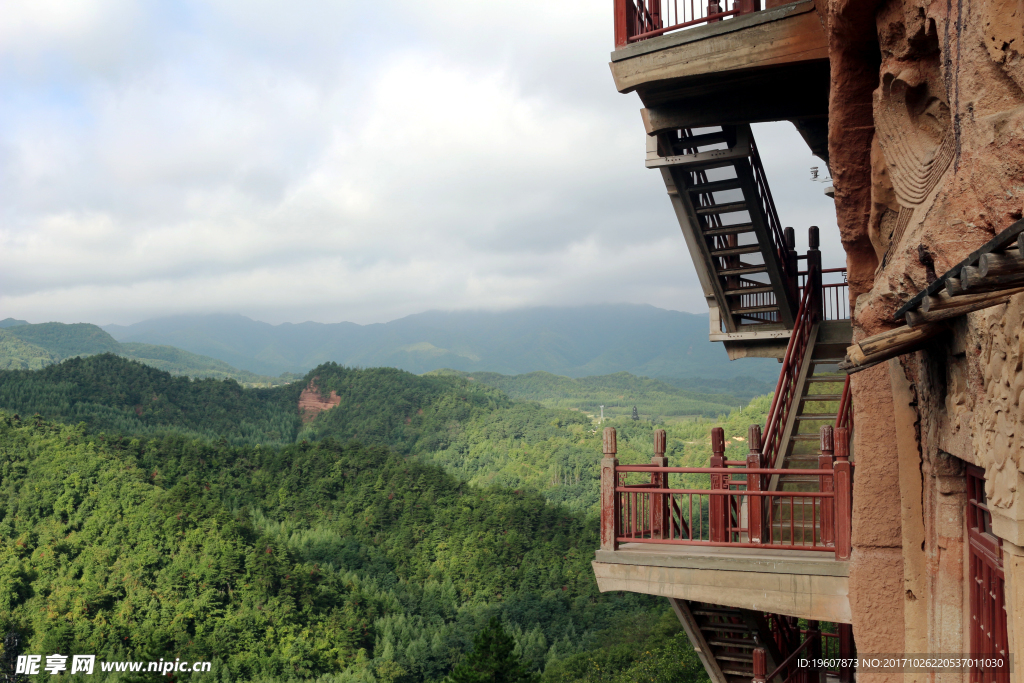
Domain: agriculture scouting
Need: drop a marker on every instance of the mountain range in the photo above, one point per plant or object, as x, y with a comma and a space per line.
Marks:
572, 341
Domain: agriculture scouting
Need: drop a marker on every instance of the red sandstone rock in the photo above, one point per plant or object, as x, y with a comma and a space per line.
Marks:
312, 402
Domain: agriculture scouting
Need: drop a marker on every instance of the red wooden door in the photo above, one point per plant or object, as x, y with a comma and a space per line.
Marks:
988, 609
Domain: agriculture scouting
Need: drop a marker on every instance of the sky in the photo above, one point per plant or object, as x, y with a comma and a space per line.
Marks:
334, 160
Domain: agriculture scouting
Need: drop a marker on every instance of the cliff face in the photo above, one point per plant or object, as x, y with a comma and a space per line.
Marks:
312, 402
927, 153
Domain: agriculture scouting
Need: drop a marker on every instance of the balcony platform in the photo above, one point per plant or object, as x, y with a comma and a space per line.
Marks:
807, 584
770, 65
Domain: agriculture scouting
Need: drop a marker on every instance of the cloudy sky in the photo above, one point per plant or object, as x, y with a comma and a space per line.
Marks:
334, 160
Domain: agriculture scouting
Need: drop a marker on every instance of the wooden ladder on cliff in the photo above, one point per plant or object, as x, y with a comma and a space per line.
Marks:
728, 217
725, 637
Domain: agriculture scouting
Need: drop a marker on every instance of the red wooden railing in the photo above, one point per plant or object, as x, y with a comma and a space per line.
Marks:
642, 19
786, 388
844, 416
781, 242
835, 293
730, 512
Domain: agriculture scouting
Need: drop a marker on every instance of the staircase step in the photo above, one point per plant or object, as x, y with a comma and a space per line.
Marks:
729, 207
821, 397
805, 437
816, 416
716, 186
737, 251
737, 229
827, 361
826, 379
754, 309
734, 657
702, 140
717, 612
732, 642
733, 628
749, 290
731, 671
746, 270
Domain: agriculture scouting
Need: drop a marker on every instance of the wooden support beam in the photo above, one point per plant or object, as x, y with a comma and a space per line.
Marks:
880, 347
972, 280
943, 300
954, 307
1007, 263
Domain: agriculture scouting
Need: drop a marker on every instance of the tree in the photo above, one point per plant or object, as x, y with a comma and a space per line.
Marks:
492, 660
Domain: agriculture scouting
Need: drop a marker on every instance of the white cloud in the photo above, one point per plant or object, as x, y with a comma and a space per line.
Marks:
305, 160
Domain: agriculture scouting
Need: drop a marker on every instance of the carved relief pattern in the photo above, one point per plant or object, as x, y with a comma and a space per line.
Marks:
916, 162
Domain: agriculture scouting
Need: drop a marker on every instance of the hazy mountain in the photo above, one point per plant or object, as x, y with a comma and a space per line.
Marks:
574, 341
31, 347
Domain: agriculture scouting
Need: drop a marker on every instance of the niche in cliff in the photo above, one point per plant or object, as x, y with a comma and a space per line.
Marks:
312, 401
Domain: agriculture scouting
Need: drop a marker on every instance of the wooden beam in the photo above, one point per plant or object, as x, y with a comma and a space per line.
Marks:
972, 281
890, 344
979, 302
1006, 263
944, 301
999, 243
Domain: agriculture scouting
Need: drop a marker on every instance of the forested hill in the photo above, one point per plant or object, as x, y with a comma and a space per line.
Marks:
294, 563
572, 341
178, 521
31, 347
470, 429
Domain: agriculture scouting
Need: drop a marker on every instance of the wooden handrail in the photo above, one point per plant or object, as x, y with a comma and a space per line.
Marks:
784, 388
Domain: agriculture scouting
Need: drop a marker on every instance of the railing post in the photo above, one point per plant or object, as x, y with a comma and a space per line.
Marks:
713, 8
813, 652
609, 498
792, 264
755, 504
654, 11
826, 485
719, 504
760, 665
621, 23
843, 482
746, 6
846, 652
814, 277
659, 480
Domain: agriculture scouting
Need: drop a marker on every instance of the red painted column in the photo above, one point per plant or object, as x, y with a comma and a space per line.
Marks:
755, 504
719, 482
621, 24
826, 485
609, 498
844, 494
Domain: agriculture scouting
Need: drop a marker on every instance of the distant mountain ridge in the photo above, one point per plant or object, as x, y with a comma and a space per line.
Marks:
24, 346
572, 341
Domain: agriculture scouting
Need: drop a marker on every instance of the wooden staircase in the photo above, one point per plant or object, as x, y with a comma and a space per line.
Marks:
725, 638
818, 401
744, 259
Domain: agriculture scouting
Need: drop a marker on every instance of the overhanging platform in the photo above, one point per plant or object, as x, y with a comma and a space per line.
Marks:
807, 584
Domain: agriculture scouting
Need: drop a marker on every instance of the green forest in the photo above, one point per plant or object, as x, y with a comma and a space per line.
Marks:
618, 393
144, 515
